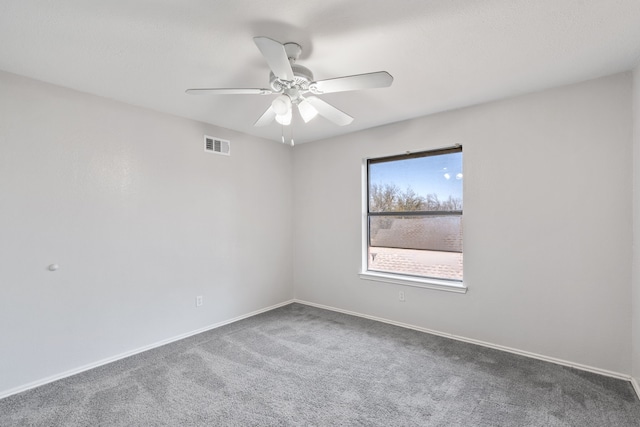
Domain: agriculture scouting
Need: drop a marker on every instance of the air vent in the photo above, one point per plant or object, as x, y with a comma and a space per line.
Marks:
217, 145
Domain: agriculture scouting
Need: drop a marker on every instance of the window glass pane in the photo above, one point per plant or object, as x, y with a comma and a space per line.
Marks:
433, 232
433, 264
431, 183
415, 215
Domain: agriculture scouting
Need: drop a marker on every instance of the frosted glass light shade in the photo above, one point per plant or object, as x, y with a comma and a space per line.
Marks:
307, 111
284, 119
281, 105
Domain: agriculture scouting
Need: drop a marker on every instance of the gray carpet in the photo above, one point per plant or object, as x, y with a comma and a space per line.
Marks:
299, 365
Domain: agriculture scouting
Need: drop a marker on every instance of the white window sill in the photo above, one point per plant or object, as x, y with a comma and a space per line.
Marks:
419, 282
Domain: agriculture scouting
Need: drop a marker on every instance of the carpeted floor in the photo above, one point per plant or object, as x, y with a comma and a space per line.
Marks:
300, 365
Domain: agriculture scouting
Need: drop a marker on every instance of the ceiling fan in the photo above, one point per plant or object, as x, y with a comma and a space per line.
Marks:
293, 82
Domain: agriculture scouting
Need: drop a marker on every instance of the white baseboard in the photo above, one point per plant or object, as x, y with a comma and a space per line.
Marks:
636, 386
482, 343
52, 378
34, 384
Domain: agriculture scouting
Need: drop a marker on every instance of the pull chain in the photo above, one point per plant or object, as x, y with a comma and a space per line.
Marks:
282, 135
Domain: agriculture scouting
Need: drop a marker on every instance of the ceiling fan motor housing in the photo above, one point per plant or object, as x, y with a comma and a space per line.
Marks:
302, 78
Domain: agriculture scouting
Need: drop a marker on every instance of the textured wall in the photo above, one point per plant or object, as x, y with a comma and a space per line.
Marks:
140, 221
547, 223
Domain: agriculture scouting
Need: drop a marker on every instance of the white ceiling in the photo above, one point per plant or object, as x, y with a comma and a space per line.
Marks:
443, 54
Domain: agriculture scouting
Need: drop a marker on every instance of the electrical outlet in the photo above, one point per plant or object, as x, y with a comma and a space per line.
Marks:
198, 301
401, 296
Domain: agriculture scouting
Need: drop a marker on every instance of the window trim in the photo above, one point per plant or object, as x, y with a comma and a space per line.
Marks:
397, 278
415, 281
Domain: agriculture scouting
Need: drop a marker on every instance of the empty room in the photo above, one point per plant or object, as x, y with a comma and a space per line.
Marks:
354, 213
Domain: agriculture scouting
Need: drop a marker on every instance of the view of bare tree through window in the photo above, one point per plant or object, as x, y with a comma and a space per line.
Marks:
415, 215
389, 197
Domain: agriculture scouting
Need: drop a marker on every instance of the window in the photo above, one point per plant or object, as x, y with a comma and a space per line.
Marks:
413, 224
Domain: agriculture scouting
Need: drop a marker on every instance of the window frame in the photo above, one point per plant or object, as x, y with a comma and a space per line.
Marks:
449, 285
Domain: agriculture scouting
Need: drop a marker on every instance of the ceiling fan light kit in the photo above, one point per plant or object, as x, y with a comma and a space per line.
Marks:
292, 82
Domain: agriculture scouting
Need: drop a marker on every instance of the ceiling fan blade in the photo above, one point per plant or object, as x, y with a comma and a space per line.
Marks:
276, 56
329, 112
229, 91
266, 118
356, 82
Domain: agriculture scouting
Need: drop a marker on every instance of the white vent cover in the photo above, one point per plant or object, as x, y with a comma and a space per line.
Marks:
217, 145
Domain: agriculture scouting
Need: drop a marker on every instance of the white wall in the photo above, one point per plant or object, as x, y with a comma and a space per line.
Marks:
547, 223
636, 226
140, 220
